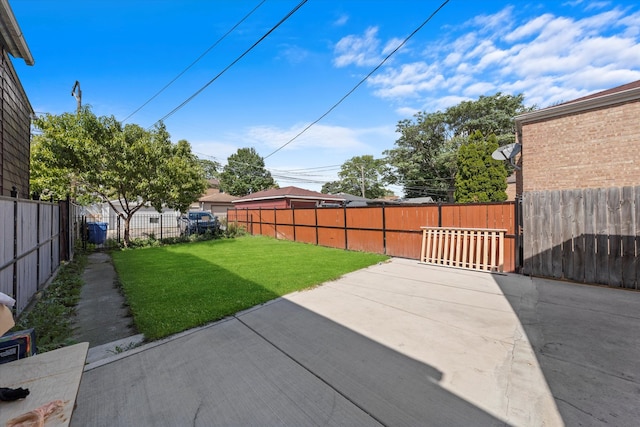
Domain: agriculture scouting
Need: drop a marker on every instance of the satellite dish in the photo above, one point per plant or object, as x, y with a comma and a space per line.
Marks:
508, 152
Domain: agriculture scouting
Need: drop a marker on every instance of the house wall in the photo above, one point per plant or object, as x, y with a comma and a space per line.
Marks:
15, 123
218, 209
300, 204
592, 149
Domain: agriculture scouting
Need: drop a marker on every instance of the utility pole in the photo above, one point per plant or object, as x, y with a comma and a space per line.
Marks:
362, 182
77, 94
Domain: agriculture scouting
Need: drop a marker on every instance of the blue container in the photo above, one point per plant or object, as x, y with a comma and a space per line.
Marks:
97, 232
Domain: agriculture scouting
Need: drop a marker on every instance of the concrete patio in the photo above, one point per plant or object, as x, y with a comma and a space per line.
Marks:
399, 343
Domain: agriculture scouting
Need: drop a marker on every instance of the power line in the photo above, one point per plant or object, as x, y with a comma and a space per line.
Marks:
360, 82
185, 102
194, 62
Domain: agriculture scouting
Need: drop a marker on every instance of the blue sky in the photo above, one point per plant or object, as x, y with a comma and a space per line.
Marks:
124, 52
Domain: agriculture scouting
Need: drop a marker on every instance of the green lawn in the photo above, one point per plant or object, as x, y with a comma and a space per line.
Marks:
174, 288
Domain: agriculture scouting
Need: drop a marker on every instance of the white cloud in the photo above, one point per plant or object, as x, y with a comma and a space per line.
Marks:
496, 23
407, 81
548, 58
358, 50
293, 54
531, 27
342, 20
318, 136
479, 88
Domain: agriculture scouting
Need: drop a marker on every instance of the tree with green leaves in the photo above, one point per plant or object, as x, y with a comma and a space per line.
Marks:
480, 178
210, 168
94, 158
359, 176
245, 173
424, 159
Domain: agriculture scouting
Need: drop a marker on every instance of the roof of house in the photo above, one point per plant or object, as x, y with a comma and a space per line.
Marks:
217, 197
287, 193
11, 36
617, 95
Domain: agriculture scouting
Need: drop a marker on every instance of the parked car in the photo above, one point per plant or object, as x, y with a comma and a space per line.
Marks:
198, 222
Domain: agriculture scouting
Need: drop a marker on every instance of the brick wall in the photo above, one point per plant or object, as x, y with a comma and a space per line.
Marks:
593, 149
15, 123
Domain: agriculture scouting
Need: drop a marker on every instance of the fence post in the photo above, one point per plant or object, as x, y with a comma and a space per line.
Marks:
275, 223
384, 231
346, 237
161, 225
315, 209
439, 214
293, 217
38, 246
14, 194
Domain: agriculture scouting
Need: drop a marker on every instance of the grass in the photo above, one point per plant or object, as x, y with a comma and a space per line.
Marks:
173, 288
53, 308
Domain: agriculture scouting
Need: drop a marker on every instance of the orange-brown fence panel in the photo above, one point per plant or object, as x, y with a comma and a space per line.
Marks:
284, 224
331, 226
393, 230
402, 228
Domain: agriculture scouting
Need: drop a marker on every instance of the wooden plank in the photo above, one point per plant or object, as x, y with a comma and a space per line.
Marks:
536, 233
577, 230
567, 237
555, 256
465, 249
54, 375
494, 248
440, 244
545, 265
602, 237
589, 236
627, 235
478, 261
501, 253
459, 235
485, 252
615, 238
636, 203
445, 252
528, 242
472, 247
423, 248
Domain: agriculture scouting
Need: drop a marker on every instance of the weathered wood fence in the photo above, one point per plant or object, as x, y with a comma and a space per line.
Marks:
34, 238
584, 235
394, 230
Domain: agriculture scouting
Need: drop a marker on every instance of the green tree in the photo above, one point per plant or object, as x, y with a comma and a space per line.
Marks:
480, 178
94, 158
210, 168
359, 176
424, 159
245, 173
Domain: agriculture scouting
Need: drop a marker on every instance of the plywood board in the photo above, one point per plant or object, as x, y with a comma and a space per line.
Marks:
50, 376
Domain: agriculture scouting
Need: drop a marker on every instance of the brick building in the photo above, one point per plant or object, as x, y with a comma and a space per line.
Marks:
580, 188
15, 109
591, 142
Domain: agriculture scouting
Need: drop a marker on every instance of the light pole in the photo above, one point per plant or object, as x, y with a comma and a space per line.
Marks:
77, 94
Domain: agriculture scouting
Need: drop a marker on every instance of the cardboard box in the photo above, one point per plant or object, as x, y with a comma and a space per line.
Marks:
17, 345
6, 319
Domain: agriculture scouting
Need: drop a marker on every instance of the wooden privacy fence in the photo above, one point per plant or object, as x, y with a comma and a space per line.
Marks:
394, 230
584, 235
471, 248
35, 239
